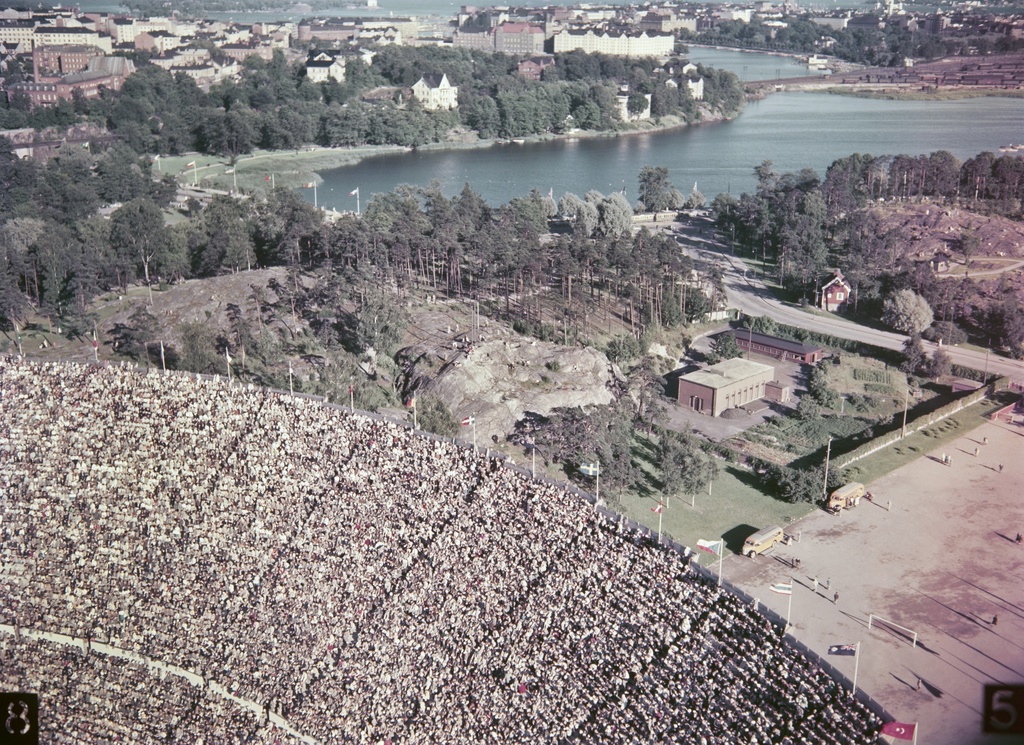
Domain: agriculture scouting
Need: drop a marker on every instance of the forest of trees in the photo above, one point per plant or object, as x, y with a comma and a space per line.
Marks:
57, 254
274, 106
803, 225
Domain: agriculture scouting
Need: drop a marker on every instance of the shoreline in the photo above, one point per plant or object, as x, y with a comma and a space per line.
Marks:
305, 165
791, 55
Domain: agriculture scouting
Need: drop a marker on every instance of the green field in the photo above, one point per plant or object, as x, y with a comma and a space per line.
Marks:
920, 443
736, 507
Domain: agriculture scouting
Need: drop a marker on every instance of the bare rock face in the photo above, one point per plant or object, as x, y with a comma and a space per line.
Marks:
497, 381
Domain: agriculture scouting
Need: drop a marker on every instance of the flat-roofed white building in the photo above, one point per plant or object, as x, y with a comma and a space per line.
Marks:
618, 43
56, 36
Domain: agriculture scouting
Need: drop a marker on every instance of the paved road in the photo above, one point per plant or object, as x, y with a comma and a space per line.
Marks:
749, 295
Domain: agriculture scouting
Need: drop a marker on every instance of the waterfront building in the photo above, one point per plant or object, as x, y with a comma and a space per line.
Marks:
625, 114
435, 92
332, 29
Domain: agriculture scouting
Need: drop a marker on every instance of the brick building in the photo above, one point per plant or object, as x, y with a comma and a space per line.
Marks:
728, 384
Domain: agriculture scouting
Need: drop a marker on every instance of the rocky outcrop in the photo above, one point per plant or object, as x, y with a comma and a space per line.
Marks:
498, 380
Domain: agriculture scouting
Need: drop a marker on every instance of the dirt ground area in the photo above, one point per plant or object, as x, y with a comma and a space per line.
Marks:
942, 562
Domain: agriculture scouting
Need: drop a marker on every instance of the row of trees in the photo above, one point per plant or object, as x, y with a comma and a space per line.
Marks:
803, 226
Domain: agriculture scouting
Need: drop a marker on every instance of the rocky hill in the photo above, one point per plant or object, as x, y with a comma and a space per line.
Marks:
500, 378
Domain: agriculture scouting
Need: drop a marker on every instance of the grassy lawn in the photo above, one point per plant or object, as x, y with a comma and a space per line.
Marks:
735, 508
920, 443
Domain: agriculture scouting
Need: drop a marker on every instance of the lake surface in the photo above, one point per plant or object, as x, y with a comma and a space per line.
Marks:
793, 130
752, 65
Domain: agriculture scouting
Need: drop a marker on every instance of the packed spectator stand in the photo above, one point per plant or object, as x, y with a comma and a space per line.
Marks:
354, 579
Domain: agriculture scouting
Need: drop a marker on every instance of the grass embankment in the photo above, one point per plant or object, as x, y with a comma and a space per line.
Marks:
736, 507
921, 443
288, 168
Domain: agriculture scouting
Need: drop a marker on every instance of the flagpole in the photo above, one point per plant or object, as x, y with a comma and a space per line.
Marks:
659, 525
533, 464
291, 385
315, 200
917, 725
163, 363
789, 608
856, 665
721, 558
195, 173
474, 435
227, 361
824, 486
597, 490
357, 202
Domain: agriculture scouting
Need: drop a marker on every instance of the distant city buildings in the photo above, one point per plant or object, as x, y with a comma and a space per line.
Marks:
65, 42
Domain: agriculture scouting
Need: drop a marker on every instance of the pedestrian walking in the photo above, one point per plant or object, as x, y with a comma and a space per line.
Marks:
835, 598
1000, 468
1018, 539
995, 620
815, 582
828, 583
919, 684
976, 451
984, 441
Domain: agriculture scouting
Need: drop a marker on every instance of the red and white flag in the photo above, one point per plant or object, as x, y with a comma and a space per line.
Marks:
712, 547
899, 730
309, 185
190, 165
468, 421
657, 510
354, 192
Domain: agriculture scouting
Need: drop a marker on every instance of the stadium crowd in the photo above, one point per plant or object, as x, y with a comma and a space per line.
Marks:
363, 581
